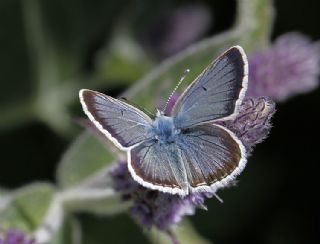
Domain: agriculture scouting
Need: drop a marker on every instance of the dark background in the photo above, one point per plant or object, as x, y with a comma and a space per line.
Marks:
276, 200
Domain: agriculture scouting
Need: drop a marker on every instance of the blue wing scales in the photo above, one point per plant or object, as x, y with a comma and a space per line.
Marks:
202, 158
212, 156
216, 93
122, 123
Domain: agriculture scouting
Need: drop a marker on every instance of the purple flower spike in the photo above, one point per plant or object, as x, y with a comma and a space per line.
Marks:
153, 208
13, 236
290, 67
252, 124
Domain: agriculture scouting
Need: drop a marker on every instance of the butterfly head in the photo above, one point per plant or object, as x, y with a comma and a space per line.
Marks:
164, 129
159, 113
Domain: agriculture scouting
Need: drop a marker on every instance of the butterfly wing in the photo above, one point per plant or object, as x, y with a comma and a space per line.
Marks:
216, 93
202, 158
122, 123
212, 156
158, 166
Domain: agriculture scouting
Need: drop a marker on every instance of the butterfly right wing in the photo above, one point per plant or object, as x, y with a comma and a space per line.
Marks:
216, 93
120, 122
212, 156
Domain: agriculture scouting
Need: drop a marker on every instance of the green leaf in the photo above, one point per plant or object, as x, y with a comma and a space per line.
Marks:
2, 192
25, 208
69, 232
102, 202
86, 156
184, 233
123, 60
51, 69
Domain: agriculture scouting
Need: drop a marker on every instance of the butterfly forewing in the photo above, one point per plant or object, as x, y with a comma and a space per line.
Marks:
125, 125
217, 91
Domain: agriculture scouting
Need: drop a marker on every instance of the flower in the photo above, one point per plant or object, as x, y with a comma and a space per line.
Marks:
13, 236
289, 67
252, 124
154, 208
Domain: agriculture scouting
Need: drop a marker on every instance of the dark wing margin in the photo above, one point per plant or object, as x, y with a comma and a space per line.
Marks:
120, 122
216, 93
158, 166
212, 156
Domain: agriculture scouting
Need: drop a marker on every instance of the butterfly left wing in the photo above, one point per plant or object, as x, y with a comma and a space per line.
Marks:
212, 156
120, 122
158, 166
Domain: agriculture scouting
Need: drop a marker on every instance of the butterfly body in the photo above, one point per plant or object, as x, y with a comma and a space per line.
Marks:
186, 151
164, 129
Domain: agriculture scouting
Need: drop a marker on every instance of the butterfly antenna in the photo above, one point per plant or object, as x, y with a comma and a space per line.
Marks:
185, 73
136, 105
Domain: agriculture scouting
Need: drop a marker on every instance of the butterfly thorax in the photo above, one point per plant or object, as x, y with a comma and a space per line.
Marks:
164, 130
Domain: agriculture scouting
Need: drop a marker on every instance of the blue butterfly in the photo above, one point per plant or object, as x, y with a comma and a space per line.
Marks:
187, 151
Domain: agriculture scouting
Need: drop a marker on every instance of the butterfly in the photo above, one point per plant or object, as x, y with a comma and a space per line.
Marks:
187, 151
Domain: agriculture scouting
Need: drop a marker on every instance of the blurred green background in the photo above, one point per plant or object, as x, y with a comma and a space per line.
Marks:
51, 49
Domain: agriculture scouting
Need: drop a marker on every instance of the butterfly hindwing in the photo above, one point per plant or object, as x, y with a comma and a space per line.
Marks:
122, 123
158, 166
201, 158
212, 156
217, 91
